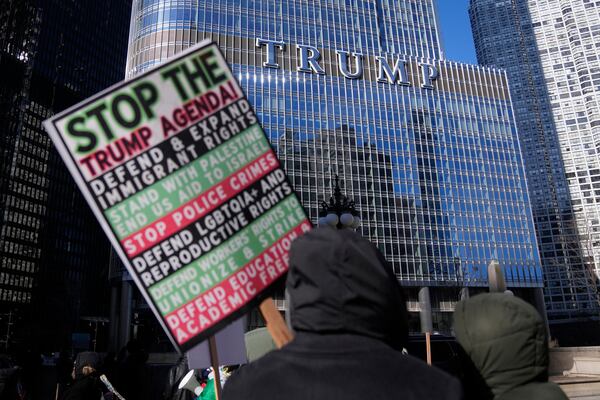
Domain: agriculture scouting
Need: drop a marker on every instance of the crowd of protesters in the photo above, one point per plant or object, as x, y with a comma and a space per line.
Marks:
350, 323
349, 316
89, 375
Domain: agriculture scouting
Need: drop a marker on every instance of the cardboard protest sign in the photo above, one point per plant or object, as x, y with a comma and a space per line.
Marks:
187, 187
231, 348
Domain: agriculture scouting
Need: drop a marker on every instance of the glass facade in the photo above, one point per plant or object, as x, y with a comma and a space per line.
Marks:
429, 155
160, 28
53, 253
550, 51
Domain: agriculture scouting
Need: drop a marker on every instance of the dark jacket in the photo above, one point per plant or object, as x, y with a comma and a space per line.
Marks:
506, 340
350, 320
176, 373
84, 388
131, 374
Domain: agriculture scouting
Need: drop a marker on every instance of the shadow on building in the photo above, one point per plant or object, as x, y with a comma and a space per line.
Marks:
54, 256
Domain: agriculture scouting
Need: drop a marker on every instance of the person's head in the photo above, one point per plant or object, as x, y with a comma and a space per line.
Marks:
339, 282
86, 363
505, 338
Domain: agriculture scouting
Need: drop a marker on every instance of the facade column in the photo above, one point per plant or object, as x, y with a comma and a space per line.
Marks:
425, 313
464, 293
125, 313
540, 305
120, 303
113, 333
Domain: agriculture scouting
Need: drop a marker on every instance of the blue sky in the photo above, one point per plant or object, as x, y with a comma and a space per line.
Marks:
456, 30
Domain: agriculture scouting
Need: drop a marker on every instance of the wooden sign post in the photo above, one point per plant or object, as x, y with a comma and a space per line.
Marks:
275, 323
428, 346
214, 361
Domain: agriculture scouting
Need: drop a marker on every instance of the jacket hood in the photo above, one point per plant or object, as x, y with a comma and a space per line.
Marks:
505, 337
339, 282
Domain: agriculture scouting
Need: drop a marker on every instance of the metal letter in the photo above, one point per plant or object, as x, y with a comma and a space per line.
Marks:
398, 74
309, 63
343, 64
429, 73
271, 56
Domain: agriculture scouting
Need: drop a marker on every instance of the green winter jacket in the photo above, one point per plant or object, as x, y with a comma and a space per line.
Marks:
505, 338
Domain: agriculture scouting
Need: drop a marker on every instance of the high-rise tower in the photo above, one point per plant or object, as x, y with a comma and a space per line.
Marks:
53, 54
550, 51
426, 147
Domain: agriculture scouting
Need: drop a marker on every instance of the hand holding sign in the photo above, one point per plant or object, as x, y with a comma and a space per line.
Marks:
185, 184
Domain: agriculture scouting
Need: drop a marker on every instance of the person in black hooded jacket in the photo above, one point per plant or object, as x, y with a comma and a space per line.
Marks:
86, 383
350, 322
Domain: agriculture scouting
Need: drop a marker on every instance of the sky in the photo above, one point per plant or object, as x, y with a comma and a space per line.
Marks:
456, 30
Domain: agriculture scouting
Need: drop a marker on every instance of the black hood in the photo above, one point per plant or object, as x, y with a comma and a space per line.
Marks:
86, 359
339, 282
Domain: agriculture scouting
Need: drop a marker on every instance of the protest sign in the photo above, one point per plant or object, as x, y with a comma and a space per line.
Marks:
185, 184
231, 348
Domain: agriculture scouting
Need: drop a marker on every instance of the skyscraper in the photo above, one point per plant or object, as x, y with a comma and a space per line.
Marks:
426, 147
550, 51
53, 253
